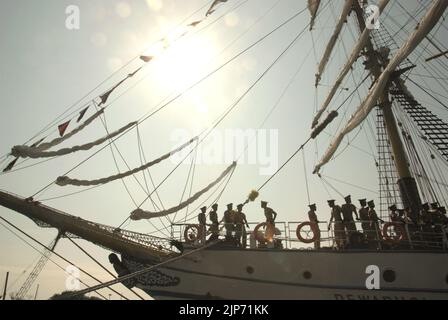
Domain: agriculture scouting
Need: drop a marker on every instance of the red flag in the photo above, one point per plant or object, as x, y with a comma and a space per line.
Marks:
146, 58
63, 127
82, 113
10, 165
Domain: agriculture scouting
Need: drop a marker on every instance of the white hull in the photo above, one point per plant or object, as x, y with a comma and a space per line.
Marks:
279, 274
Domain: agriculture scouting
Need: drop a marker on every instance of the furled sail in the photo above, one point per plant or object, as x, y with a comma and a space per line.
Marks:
423, 28
345, 70
313, 6
140, 214
64, 181
55, 142
329, 49
34, 153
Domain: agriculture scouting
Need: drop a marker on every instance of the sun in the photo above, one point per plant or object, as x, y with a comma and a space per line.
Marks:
181, 59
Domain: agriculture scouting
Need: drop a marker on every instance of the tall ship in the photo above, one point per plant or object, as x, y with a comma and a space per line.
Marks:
381, 76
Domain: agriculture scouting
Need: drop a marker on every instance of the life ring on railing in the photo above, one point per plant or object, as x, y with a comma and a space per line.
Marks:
400, 232
268, 233
314, 227
192, 233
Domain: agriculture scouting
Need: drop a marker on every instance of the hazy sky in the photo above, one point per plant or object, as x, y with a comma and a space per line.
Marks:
45, 68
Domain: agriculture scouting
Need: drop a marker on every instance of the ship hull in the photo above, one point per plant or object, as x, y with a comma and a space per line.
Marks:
301, 275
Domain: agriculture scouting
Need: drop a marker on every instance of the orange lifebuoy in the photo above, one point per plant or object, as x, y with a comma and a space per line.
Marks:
314, 227
397, 237
195, 233
269, 233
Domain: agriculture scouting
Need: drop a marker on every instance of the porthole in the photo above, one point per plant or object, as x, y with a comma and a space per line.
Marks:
307, 275
389, 275
250, 270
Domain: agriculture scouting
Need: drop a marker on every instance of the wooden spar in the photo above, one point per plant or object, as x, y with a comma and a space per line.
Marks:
138, 246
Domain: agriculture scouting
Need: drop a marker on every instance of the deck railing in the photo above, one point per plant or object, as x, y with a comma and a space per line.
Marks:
336, 235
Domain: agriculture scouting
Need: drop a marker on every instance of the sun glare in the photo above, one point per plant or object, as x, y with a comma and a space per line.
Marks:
179, 62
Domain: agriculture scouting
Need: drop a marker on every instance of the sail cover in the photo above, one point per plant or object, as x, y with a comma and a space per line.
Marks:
64, 181
345, 70
423, 28
313, 6
35, 148
34, 153
57, 141
329, 49
140, 214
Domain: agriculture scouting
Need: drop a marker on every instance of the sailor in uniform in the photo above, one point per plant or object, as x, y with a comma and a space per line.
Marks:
214, 228
269, 213
241, 224
202, 219
374, 221
364, 216
229, 221
348, 209
336, 216
312, 216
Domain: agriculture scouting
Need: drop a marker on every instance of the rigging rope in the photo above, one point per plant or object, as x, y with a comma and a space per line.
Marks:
64, 180
58, 255
140, 214
232, 107
28, 152
152, 113
61, 116
102, 266
141, 272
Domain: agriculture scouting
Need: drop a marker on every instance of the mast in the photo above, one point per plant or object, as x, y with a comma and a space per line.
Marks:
406, 182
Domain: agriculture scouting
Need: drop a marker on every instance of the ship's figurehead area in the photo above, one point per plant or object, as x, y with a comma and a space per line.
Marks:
154, 278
